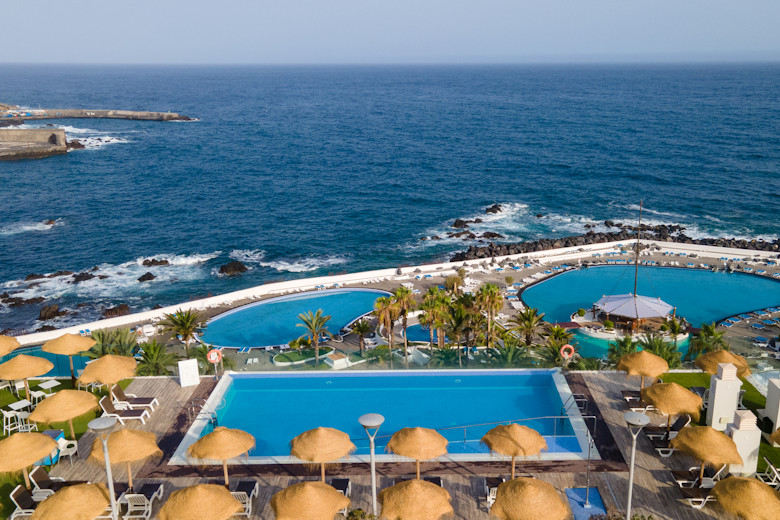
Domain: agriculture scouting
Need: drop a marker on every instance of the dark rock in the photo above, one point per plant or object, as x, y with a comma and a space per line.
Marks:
45, 328
33, 276
435, 237
491, 234
423, 239
150, 262
75, 144
146, 277
49, 312
59, 273
119, 310
158, 306
495, 208
539, 215
82, 277
102, 276
460, 224
477, 221
232, 268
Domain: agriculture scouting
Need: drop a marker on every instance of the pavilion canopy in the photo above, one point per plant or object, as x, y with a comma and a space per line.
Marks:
633, 306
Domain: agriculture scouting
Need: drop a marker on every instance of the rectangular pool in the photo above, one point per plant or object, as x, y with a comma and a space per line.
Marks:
461, 405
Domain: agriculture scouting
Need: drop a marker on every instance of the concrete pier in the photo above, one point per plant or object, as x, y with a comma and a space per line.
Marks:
32, 143
14, 113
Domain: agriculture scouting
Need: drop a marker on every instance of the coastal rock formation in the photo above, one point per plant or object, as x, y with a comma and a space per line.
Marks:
15, 301
460, 224
119, 310
151, 262
146, 277
49, 312
491, 235
75, 144
59, 273
232, 268
33, 276
82, 277
495, 208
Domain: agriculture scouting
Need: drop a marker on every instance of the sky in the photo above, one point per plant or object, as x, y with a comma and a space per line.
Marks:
389, 31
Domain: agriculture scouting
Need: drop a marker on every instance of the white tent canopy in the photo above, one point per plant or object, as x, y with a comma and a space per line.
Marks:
633, 306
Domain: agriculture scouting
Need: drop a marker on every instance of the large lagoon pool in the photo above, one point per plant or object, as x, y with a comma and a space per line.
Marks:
275, 407
274, 321
700, 296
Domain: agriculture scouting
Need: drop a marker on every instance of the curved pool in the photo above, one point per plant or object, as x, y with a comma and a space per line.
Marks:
273, 321
420, 334
700, 296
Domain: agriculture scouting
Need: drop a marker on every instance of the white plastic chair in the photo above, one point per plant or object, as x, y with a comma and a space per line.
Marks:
10, 422
68, 449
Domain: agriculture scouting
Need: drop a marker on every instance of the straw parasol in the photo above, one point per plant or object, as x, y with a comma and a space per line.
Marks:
23, 367
514, 441
707, 445
321, 445
69, 345
22, 450
109, 370
775, 437
127, 446
418, 444
709, 362
672, 399
643, 364
222, 444
748, 498
526, 498
78, 502
65, 405
8, 344
413, 500
201, 502
308, 501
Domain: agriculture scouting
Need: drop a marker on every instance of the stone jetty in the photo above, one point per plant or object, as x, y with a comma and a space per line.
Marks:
14, 113
34, 143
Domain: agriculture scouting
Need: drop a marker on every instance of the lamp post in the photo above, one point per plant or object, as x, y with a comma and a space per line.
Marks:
372, 421
103, 427
636, 421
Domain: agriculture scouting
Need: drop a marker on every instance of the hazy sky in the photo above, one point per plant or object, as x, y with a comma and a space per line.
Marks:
390, 31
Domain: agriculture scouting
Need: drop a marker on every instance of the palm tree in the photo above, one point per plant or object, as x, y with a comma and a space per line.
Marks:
619, 348
663, 349
707, 340
201, 354
184, 324
155, 360
452, 285
456, 321
675, 328
443, 357
404, 299
386, 311
559, 334
121, 342
588, 363
362, 328
427, 318
435, 307
508, 355
528, 322
316, 326
550, 353
489, 299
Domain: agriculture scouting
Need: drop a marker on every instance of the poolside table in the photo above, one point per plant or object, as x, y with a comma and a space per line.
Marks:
19, 405
48, 385
54, 456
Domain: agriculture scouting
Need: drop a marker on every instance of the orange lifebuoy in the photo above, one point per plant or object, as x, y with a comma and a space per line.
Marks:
567, 351
214, 356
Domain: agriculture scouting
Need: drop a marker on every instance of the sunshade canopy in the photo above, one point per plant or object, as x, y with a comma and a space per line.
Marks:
643, 363
417, 443
672, 399
109, 370
64, 406
8, 344
127, 445
748, 498
21, 450
633, 306
514, 440
24, 367
321, 445
201, 502
775, 437
709, 362
526, 498
308, 501
707, 445
414, 500
69, 345
222, 444
79, 502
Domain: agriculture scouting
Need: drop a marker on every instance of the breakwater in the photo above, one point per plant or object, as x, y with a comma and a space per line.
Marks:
31, 143
13, 113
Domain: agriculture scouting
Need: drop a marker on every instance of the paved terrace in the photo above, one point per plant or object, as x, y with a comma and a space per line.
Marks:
654, 493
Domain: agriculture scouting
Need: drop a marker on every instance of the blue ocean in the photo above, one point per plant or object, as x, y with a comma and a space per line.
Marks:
301, 171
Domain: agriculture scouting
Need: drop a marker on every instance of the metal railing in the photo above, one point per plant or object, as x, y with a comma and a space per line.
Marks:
579, 399
199, 409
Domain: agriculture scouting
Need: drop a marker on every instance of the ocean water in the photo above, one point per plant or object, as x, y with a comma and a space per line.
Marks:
301, 171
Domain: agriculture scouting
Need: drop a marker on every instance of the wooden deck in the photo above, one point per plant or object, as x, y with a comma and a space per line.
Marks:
654, 491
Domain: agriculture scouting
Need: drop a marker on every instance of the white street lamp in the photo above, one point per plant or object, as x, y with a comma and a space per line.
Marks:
636, 421
372, 421
103, 426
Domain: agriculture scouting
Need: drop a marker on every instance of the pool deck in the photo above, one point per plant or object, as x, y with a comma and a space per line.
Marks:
654, 491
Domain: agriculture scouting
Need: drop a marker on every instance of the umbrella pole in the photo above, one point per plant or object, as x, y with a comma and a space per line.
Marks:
701, 473
27, 388
26, 478
322, 467
72, 431
224, 470
669, 429
513, 467
418, 469
72, 373
642, 382
129, 477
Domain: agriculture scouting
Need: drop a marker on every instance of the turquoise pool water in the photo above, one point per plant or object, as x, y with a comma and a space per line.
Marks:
595, 347
276, 407
700, 296
61, 363
418, 333
273, 322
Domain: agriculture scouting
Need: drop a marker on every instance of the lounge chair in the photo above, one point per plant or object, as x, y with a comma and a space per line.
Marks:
690, 478
697, 497
343, 486
491, 487
122, 415
663, 447
132, 401
659, 432
45, 485
433, 480
250, 487
140, 503
25, 505
631, 395
770, 476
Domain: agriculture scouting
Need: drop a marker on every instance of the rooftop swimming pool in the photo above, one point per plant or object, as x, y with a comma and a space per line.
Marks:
274, 321
61, 363
701, 296
275, 407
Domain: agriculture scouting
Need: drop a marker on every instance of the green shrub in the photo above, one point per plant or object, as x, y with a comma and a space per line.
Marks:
609, 324
580, 312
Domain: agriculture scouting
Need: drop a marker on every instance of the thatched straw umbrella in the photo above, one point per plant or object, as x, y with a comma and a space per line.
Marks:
63, 406
643, 364
222, 444
775, 437
526, 498
69, 345
308, 501
672, 399
79, 502
415, 500
418, 444
109, 370
24, 367
709, 362
22, 450
514, 441
127, 446
8, 344
321, 445
748, 498
707, 445
201, 502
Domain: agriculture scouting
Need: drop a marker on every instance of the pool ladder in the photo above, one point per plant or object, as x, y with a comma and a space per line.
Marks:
199, 409
579, 399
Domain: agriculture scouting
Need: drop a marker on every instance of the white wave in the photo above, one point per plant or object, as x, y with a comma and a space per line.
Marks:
645, 209
193, 259
248, 255
23, 227
73, 130
91, 143
304, 264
